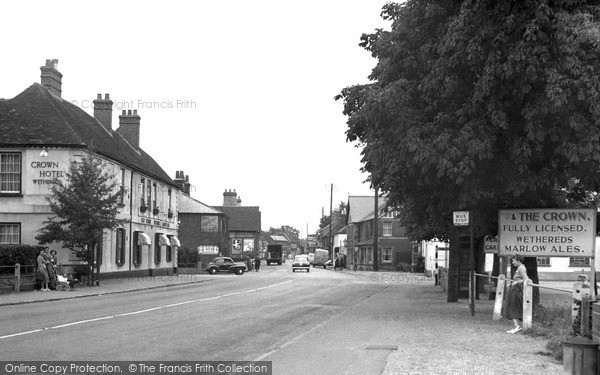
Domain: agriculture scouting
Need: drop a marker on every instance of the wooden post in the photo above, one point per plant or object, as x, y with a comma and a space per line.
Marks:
17, 278
472, 286
499, 297
527, 304
585, 316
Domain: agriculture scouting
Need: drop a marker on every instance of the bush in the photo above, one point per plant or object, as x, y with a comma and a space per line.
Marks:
187, 256
420, 265
553, 323
25, 255
404, 267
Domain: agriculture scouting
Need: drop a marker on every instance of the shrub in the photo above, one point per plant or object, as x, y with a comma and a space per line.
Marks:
553, 323
23, 254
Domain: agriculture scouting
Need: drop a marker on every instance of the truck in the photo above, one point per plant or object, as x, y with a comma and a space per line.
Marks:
321, 258
274, 254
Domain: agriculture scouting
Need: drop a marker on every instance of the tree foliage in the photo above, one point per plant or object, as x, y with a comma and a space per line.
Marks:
292, 233
85, 205
480, 105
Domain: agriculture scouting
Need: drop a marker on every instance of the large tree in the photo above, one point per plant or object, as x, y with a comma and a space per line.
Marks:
85, 205
480, 105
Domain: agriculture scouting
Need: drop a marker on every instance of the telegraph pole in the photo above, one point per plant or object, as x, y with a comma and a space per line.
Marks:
331, 224
376, 232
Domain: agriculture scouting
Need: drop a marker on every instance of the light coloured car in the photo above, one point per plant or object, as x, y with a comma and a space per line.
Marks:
301, 263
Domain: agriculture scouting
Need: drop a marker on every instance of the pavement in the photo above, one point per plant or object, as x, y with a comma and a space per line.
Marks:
106, 286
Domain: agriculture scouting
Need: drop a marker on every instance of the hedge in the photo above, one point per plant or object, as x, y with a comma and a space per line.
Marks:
26, 255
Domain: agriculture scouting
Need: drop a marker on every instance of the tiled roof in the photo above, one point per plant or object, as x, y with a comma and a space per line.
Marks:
36, 118
189, 205
242, 218
279, 238
361, 207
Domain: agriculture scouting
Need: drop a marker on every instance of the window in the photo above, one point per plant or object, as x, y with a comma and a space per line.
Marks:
157, 248
386, 255
142, 203
149, 195
369, 255
10, 233
137, 250
543, 261
154, 194
387, 228
122, 185
169, 192
10, 173
579, 262
120, 246
169, 252
390, 214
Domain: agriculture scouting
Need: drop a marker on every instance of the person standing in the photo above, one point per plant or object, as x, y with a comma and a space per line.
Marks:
514, 305
42, 271
257, 264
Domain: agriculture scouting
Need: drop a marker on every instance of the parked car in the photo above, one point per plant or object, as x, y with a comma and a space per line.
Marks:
300, 263
224, 264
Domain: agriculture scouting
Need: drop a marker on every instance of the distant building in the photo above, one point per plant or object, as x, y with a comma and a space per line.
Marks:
244, 225
42, 134
202, 228
394, 247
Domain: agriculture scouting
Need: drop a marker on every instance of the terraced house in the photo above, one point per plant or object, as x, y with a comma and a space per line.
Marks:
41, 134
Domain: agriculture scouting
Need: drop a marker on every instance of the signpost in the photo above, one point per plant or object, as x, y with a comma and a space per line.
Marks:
463, 218
548, 232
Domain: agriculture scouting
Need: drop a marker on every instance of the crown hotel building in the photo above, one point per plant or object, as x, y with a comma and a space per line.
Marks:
41, 134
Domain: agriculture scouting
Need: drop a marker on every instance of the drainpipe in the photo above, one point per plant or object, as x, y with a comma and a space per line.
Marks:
130, 219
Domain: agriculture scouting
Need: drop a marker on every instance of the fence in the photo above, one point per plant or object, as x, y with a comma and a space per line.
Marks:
22, 278
581, 293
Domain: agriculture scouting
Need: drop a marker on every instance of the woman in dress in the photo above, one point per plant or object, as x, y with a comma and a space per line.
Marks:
51, 266
514, 306
42, 271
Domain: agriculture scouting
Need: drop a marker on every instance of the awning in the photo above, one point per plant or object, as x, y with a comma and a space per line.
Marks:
175, 241
163, 240
144, 239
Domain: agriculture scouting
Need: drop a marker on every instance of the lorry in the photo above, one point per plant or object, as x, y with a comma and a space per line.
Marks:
274, 254
321, 258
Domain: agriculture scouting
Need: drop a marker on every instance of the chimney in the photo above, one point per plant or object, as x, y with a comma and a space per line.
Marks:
183, 181
129, 127
229, 198
51, 78
103, 111
238, 201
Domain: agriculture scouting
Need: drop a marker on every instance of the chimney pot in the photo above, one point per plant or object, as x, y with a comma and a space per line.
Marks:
135, 111
103, 111
129, 112
106, 96
51, 78
124, 112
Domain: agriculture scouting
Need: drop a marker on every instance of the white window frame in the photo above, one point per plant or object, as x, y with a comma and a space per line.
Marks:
8, 172
386, 255
387, 228
10, 233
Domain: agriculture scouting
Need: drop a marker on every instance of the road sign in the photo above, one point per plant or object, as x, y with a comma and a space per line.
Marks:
548, 232
460, 218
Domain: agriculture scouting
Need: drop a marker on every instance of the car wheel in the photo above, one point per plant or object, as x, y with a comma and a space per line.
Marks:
324, 267
239, 271
212, 271
293, 270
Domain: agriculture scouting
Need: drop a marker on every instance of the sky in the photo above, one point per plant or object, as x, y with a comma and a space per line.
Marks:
237, 94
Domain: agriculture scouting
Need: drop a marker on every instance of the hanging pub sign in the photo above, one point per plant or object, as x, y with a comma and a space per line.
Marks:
547, 232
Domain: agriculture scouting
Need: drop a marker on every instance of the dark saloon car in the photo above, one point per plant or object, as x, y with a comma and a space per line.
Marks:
224, 264
301, 263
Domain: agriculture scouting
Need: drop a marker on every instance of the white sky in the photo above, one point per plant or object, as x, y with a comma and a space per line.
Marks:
259, 78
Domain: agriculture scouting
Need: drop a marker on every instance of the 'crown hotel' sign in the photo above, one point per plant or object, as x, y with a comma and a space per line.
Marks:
547, 232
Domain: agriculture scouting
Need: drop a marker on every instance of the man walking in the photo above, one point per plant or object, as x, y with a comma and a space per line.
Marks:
257, 264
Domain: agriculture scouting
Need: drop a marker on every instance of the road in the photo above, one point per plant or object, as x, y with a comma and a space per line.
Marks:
231, 317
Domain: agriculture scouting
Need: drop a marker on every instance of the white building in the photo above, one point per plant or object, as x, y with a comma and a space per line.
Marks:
41, 134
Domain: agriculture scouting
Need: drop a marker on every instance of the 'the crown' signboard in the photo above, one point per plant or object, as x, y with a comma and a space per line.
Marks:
552, 232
